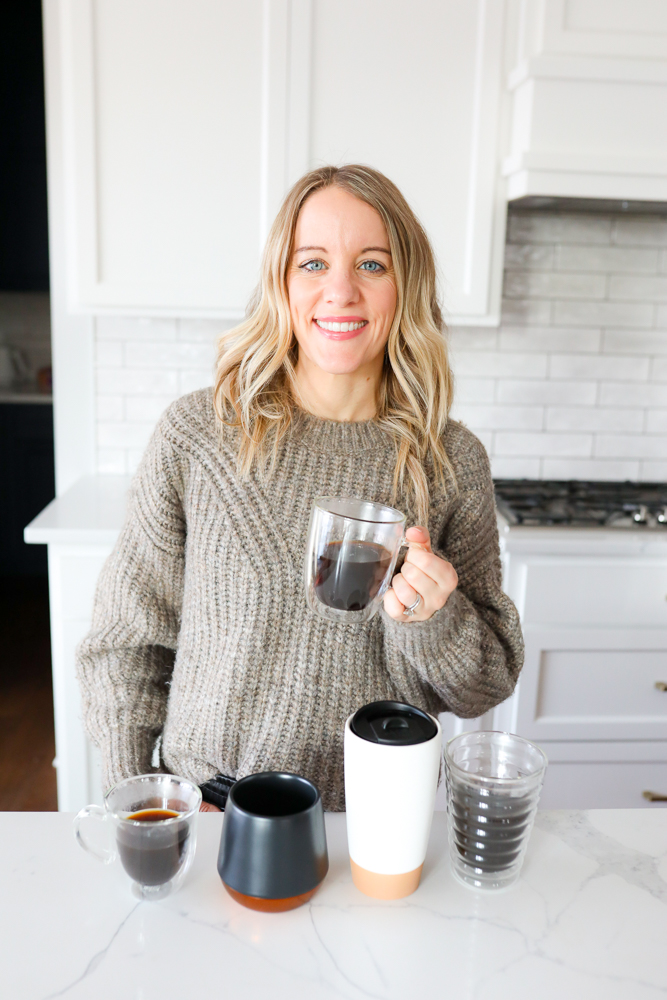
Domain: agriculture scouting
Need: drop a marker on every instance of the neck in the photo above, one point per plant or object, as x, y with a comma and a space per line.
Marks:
349, 397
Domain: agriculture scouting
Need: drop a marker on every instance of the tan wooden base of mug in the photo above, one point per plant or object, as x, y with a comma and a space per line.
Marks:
385, 886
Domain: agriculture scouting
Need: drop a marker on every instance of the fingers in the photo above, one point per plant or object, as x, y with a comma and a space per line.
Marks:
419, 536
208, 807
439, 570
393, 606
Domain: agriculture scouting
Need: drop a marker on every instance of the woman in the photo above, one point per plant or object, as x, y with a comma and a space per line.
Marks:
337, 383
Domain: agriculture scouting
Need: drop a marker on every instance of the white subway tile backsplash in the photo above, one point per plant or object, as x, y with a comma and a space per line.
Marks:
557, 227
653, 472
109, 353
112, 461
549, 338
547, 443
499, 417
472, 338
179, 355
628, 287
656, 422
133, 328
645, 394
527, 392
124, 434
147, 408
131, 382
515, 468
599, 366
573, 313
635, 341
110, 407
206, 330
593, 418
631, 446
528, 256
573, 384
518, 312
553, 285
571, 468
642, 230
628, 260
474, 390
193, 379
496, 364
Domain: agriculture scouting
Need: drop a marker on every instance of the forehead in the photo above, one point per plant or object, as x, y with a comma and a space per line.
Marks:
333, 217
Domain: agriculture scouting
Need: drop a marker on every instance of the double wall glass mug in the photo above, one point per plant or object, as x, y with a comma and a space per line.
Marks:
351, 553
493, 787
153, 819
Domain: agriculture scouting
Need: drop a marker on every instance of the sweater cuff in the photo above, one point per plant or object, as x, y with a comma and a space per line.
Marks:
422, 641
126, 753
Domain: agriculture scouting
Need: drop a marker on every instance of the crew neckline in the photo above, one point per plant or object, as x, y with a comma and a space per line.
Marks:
346, 436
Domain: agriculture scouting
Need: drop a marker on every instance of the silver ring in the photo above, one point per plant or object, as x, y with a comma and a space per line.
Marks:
410, 610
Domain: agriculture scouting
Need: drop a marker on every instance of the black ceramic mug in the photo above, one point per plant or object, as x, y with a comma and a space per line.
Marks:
273, 850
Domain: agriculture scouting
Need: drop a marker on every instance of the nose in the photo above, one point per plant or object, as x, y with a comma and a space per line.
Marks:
342, 288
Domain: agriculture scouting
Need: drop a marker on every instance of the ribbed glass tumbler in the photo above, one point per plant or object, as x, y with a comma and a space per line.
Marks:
493, 787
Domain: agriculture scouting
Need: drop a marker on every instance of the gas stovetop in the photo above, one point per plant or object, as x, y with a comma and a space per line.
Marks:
576, 503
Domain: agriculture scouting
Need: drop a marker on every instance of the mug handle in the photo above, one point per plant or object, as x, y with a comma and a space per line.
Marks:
87, 815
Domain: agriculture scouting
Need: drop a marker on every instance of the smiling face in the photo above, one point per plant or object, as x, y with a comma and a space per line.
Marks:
341, 284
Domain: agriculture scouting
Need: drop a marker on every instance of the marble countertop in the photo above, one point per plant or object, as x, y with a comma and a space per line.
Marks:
588, 919
90, 512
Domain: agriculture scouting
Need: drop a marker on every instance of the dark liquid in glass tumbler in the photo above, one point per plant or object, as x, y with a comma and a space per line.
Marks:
155, 859
489, 829
350, 574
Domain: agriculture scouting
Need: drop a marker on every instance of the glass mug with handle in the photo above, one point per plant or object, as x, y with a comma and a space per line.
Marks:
153, 818
351, 555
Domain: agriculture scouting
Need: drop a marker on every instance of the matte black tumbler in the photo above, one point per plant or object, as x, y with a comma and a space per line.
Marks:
273, 849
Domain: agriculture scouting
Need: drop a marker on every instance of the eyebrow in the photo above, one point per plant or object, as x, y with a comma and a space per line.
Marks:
365, 250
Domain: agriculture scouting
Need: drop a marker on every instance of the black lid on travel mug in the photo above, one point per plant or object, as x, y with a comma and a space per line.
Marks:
393, 723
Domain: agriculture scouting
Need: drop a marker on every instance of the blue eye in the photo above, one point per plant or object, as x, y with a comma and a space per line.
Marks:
372, 266
314, 265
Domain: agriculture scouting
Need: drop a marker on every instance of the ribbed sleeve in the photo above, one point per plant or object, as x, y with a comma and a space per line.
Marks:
125, 663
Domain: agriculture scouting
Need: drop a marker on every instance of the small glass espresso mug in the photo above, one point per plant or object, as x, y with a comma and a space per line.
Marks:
351, 553
154, 820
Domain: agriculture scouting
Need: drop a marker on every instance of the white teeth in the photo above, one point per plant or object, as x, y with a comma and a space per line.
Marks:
339, 327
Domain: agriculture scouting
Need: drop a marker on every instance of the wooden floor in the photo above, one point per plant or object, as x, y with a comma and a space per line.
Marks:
27, 747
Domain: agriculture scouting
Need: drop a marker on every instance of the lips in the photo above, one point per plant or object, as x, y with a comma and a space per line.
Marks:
340, 327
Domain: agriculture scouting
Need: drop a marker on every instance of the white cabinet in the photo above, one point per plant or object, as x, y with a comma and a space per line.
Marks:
180, 126
593, 691
80, 529
589, 93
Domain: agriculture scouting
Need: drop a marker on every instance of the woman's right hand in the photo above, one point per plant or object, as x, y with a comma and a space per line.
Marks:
208, 807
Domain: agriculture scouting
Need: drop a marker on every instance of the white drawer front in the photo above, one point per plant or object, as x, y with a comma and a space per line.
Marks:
593, 684
596, 592
603, 785
613, 684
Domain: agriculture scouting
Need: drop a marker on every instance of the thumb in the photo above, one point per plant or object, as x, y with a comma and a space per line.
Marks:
419, 536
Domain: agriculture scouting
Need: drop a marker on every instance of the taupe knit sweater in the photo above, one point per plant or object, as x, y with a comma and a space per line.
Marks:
201, 632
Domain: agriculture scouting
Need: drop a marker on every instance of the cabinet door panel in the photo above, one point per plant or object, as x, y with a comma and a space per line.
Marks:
166, 147
596, 592
612, 684
611, 785
414, 89
593, 684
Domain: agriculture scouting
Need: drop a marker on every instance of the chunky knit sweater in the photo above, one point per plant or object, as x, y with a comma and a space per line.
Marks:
201, 634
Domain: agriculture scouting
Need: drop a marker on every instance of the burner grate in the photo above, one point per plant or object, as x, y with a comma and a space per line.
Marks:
582, 504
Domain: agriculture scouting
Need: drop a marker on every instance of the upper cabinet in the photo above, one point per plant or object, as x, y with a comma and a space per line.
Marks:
589, 93
181, 125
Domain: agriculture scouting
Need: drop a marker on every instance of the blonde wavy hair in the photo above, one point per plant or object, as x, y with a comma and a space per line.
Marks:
255, 384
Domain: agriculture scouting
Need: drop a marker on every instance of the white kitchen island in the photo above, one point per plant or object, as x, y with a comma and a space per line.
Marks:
586, 921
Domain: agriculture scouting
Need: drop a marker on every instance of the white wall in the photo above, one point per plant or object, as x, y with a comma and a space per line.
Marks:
572, 384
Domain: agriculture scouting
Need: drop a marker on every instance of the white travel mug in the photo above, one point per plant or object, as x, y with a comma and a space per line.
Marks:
392, 763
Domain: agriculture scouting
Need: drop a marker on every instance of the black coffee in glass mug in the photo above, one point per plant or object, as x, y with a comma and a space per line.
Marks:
350, 574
